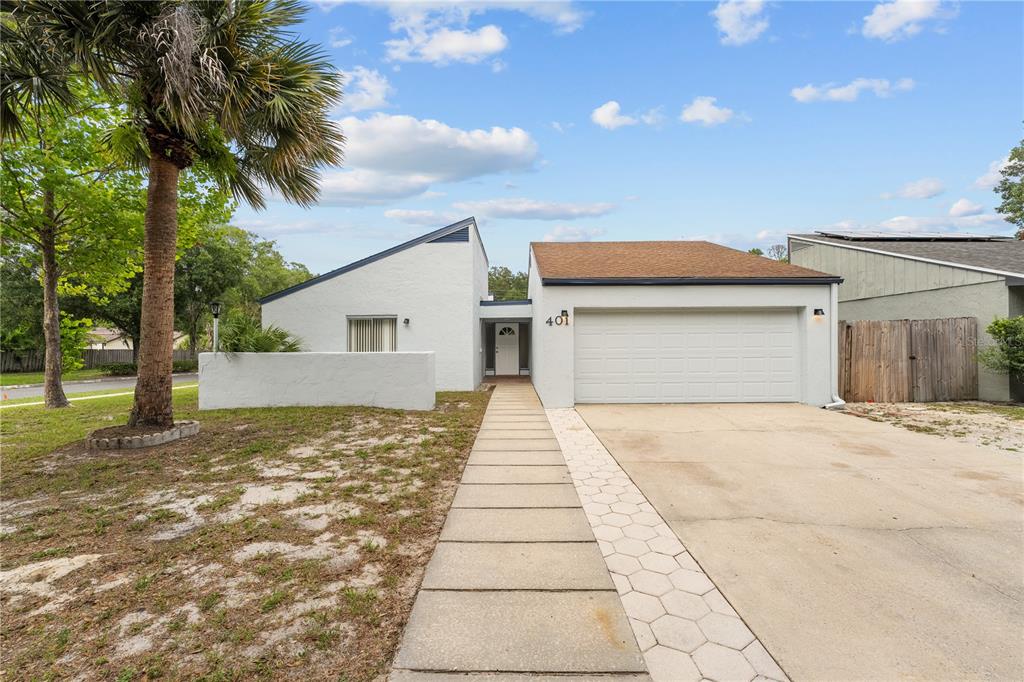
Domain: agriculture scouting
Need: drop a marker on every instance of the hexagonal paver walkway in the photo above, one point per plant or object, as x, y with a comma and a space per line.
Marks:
685, 627
517, 588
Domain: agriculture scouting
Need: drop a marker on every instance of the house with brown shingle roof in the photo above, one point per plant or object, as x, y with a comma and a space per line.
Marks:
604, 322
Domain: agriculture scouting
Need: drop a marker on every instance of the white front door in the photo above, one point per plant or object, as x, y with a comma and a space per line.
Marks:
506, 348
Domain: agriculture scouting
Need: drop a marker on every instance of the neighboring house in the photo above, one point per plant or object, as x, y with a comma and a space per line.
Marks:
104, 338
914, 276
604, 322
108, 338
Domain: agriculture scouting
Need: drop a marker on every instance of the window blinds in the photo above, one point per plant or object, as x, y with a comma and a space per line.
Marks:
373, 335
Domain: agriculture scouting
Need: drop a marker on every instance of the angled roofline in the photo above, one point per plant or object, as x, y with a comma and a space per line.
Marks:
679, 281
422, 239
896, 254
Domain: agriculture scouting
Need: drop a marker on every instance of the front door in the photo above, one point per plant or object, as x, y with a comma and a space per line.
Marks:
506, 348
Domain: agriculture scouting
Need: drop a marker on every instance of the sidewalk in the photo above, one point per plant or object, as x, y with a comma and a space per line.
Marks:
517, 583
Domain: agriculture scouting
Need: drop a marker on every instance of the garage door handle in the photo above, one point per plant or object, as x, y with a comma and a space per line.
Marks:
913, 357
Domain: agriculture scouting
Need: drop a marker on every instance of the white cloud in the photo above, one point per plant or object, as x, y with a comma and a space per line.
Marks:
899, 19
446, 45
703, 110
439, 32
421, 217
965, 207
530, 209
559, 127
740, 21
571, 233
988, 223
925, 188
365, 89
832, 92
608, 116
497, 66
338, 37
993, 175
391, 157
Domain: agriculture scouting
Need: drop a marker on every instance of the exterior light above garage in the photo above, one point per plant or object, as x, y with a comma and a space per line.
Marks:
819, 313
565, 317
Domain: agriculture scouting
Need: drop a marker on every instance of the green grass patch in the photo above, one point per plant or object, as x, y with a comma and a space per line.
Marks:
19, 378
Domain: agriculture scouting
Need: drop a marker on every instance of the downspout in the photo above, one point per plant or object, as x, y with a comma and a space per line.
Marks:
833, 351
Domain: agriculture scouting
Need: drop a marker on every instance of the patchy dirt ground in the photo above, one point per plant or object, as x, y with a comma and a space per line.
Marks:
978, 423
277, 544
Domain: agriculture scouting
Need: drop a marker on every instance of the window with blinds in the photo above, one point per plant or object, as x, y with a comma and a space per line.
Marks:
372, 334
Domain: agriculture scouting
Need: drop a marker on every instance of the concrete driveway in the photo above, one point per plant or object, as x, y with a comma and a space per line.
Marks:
853, 549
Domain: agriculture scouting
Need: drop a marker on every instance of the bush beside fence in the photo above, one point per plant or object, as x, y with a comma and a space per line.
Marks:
32, 360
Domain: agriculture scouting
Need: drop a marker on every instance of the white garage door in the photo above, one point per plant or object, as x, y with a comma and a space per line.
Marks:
687, 356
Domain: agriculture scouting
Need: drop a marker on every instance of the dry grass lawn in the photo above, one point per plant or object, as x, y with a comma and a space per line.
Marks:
276, 544
975, 422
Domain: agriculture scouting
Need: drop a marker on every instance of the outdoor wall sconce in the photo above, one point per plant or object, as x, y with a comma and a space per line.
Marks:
565, 317
406, 322
818, 314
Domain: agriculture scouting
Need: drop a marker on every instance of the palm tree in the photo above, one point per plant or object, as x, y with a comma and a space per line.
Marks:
221, 83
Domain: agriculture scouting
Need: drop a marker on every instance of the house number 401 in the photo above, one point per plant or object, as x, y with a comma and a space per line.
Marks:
559, 321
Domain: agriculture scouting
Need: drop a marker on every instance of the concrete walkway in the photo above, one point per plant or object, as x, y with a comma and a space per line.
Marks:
517, 584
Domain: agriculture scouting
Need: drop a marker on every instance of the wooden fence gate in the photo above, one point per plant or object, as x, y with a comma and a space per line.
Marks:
908, 360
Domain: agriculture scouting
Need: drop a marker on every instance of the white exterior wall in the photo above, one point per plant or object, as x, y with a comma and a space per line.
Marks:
480, 287
553, 346
431, 284
394, 380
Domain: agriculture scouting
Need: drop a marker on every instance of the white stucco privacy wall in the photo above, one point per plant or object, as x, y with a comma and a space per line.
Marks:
433, 285
395, 380
553, 346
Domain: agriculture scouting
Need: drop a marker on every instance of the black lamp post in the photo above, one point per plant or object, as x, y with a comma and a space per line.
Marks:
215, 309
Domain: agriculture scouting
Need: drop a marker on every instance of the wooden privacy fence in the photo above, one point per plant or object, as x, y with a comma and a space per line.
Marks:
908, 360
32, 361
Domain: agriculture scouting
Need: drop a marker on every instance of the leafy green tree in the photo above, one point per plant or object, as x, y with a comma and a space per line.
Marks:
265, 271
507, 285
222, 84
78, 216
756, 252
1011, 189
21, 299
121, 309
203, 274
1007, 355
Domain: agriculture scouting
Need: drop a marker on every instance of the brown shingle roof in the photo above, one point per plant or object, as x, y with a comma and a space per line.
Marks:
674, 260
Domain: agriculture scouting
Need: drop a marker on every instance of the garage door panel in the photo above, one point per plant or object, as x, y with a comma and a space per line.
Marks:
687, 356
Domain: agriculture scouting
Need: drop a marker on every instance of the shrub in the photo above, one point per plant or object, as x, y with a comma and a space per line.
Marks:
127, 369
242, 333
123, 369
1007, 356
185, 365
74, 337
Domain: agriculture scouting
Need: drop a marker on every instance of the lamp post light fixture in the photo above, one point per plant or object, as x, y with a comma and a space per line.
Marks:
215, 309
819, 314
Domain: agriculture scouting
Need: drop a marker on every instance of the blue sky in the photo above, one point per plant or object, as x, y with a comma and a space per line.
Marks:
733, 122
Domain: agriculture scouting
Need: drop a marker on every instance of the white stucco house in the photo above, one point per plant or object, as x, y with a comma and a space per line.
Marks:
609, 322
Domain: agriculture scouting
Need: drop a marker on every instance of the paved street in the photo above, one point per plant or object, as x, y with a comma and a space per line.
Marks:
853, 549
112, 384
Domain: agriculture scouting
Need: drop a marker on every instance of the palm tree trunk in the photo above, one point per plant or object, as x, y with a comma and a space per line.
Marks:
53, 390
153, 389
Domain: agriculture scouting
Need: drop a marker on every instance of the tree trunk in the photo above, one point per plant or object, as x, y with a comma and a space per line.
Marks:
53, 390
135, 353
153, 389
